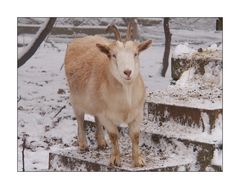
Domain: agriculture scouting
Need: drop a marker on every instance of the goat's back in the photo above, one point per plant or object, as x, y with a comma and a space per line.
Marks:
83, 60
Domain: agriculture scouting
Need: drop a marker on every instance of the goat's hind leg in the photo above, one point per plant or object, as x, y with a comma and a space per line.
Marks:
81, 132
102, 144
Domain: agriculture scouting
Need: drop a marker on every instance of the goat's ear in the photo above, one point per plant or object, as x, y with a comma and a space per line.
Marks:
144, 45
104, 48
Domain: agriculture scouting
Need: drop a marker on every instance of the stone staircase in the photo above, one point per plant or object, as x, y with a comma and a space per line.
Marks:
173, 138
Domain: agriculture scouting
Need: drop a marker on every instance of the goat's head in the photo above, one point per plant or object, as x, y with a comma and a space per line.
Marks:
124, 55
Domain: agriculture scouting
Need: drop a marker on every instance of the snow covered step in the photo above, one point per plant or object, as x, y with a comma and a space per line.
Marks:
175, 130
188, 114
188, 150
205, 144
168, 157
168, 130
185, 57
73, 160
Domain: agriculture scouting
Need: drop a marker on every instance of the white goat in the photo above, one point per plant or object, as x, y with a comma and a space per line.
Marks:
104, 80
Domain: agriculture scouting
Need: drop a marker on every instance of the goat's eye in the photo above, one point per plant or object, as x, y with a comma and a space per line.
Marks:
135, 54
114, 56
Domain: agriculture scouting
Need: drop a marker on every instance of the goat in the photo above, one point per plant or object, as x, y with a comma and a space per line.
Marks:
105, 81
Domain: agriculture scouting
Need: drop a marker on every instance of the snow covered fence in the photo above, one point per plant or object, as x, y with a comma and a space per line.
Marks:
67, 30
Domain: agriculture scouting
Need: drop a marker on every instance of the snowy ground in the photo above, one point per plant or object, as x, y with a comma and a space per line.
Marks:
42, 91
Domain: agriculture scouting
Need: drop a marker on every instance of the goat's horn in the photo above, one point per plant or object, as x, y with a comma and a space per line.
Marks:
114, 29
129, 34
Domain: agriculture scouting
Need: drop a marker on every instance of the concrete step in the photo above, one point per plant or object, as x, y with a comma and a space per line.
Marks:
168, 148
73, 160
190, 115
203, 143
170, 157
172, 129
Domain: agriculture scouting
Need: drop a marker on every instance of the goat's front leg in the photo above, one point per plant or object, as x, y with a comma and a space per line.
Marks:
115, 156
134, 131
113, 135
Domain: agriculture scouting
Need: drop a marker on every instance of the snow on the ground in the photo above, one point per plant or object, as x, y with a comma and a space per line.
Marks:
43, 91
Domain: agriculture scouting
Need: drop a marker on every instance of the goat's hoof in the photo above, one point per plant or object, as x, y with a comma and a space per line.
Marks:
139, 162
115, 161
83, 147
102, 146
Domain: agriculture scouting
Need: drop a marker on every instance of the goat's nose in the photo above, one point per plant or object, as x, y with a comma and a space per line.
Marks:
127, 72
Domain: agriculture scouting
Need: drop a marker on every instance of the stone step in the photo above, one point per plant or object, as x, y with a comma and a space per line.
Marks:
171, 129
188, 150
73, 160
187, 115
203, 143
172, 157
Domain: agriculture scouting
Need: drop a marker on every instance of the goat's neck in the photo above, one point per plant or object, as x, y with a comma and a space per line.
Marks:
126, 89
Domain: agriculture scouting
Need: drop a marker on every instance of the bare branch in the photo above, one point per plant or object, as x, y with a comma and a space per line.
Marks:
34, 45
59, 111
62, 66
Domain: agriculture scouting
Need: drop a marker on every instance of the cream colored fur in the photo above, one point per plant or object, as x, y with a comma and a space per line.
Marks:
99, 87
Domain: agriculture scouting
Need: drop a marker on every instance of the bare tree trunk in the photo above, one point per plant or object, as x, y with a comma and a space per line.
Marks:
36, 42
219, 24
168, 37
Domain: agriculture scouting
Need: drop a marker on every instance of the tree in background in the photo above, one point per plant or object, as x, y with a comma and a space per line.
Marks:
33, 46
219, 24
168, 37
